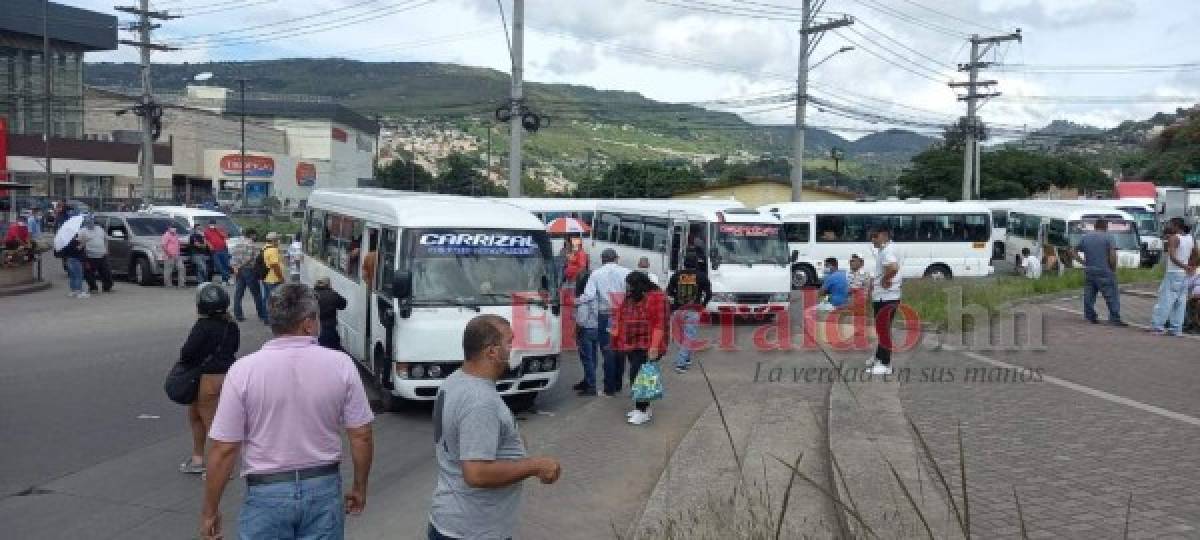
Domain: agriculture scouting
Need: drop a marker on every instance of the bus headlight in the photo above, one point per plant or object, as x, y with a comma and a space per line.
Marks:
400, 370
417, 371
724, 297
535, 365
435, 371
550, 363
780, 297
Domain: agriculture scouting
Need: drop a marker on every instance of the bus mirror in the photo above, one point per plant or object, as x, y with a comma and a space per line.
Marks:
402, 285
795, 255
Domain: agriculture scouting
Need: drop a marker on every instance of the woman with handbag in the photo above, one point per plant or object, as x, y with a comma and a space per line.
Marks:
211, 346
640, 333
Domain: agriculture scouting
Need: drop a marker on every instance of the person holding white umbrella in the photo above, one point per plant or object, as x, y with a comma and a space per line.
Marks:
67, 244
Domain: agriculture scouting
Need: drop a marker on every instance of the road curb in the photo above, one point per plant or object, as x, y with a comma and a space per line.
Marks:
868, 438
25, 288
701, 478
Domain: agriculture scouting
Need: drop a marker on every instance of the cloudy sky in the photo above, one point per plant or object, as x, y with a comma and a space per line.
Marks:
1073, 62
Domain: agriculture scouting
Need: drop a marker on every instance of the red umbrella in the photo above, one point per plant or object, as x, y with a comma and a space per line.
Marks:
566, 225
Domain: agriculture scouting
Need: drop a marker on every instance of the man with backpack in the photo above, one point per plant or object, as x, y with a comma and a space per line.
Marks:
689, 291
272, 260
246, 273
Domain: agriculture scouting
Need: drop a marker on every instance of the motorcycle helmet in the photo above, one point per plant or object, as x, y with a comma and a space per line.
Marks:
211, 298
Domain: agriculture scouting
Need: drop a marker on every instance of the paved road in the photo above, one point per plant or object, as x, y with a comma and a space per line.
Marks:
1118, 414
91, 445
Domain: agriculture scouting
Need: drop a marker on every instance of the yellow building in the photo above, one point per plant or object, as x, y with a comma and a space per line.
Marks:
756, 193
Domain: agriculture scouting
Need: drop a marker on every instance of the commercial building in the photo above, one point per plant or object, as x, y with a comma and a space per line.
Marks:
294, 144
79, 167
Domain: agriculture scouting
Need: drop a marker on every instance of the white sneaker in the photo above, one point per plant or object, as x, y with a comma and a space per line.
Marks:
631, 413
83, 294
880, 369
72, 294
871, 361
638, 418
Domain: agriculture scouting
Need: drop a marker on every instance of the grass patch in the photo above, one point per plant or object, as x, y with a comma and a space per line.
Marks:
928, 297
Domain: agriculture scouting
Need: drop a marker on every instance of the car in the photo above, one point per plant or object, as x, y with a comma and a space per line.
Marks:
134, 244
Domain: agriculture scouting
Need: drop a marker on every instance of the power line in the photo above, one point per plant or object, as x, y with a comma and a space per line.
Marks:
923, 74
872, 4
1097, 68
256, 27
901, 44
313, 28
954, 17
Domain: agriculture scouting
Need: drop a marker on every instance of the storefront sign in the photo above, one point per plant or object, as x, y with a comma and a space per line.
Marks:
306, 174
255, 166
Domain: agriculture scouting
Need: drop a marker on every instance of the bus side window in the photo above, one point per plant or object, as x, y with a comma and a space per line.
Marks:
387, 261
315, 234
797, 233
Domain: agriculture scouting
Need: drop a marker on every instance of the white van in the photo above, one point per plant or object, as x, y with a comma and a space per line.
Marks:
415, 268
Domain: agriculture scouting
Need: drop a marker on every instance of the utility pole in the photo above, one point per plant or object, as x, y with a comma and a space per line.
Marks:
808, 44
972, 127
149, 111
48, 108
242, 88
515, 127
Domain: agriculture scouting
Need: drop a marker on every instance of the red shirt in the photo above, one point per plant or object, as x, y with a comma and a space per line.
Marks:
215, 238
17, 232
576, 263
636, 321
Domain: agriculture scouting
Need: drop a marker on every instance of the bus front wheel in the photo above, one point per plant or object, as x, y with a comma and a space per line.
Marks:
938, 271
803, 276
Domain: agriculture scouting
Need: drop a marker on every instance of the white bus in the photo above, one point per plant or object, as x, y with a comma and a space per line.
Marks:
742, 250
1000, 211
935, 239
1042, 226
416, 268
1143, 213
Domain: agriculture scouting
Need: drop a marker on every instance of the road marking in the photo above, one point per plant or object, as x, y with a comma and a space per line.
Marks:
1084, 389
1135, 325
148, 417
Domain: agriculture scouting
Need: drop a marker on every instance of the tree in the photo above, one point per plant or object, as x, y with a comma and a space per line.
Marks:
642, 179
404, 174
1005, 174
462, 175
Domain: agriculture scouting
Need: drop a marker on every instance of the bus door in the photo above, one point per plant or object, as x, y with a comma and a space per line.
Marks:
675, 246
370, 264
382, 306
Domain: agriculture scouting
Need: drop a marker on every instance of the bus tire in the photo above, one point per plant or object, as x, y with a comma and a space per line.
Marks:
938, 271
388, 401
519, 403
803, 276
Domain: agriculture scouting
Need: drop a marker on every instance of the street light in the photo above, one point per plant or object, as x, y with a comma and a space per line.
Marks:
831, 55
208, 75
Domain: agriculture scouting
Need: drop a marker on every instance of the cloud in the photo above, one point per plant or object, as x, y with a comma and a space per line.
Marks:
570, 60
1059, 13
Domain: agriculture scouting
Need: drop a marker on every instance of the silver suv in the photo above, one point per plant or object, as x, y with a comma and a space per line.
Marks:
135, 243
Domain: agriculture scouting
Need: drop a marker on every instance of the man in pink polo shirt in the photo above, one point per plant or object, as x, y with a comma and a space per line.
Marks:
284, 407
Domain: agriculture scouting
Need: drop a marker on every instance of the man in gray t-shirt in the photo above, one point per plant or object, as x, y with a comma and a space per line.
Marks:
480, 455
1100, 273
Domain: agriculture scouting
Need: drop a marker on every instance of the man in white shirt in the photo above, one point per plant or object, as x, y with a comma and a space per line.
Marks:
1031, 267
644, 267
885, 298
607, 286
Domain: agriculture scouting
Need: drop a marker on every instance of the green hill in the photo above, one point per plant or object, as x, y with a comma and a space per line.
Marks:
617, 125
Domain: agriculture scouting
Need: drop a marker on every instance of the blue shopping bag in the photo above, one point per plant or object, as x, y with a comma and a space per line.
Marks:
648, 384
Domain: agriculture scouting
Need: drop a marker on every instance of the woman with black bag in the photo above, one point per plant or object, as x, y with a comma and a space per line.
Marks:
212, 344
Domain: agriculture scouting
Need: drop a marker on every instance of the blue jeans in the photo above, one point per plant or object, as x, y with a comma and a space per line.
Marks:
586, 339
75, 274
1106, 284
310, 509
613, 366
1172, 303
247, 281
221, 263
200, 263
690, 320
267, 289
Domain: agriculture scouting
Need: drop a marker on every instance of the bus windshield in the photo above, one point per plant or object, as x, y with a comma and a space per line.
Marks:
1123, 233
751, 243
1147, 222
478, 266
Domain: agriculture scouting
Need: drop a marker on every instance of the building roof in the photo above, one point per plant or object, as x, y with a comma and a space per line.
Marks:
302, 109
89, 30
